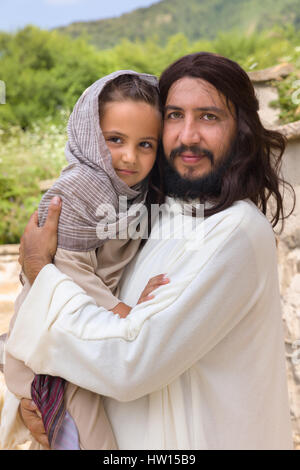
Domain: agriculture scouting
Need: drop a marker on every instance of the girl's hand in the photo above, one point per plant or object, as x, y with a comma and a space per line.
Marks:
153, 283
123, 310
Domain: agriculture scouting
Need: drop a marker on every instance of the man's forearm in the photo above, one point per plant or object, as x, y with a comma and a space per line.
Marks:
33, 266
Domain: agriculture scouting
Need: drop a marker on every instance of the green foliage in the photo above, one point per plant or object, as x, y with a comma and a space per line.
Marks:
46, 72
194, 18
289, 108
26, 158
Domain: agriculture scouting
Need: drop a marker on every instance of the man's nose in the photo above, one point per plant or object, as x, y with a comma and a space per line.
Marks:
189, 133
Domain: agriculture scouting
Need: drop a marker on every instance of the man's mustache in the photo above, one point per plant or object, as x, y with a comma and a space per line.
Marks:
194, 149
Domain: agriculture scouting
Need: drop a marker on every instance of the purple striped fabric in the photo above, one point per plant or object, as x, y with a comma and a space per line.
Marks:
67, 436
48, 394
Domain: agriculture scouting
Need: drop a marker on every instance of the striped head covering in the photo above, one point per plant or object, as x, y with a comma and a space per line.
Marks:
90, 179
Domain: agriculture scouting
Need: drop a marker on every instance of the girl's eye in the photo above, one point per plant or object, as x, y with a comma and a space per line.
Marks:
174, 115
209, 117
115, 140
146, 145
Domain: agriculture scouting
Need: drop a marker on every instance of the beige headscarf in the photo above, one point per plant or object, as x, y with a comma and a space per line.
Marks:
90, 179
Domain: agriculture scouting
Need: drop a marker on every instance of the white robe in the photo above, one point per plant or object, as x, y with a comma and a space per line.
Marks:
200, 366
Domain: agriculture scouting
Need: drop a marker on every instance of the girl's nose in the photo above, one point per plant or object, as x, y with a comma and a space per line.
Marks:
129, 156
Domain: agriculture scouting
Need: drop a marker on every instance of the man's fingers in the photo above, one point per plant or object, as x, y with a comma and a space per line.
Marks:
53, 213
36, 218
33, 221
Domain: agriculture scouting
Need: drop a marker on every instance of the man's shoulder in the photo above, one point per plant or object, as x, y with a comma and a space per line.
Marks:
242, 211
243, 218
251, 222
244, 232
248, 213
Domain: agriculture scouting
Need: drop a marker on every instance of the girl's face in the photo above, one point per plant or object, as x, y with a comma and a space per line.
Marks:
131, 130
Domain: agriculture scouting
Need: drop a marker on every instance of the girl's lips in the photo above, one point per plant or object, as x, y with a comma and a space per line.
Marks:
127, 172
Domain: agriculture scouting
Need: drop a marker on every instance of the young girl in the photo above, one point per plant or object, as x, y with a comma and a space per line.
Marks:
113, 136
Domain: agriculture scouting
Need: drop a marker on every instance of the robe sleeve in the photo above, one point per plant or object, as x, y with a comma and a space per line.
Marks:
81, 267
212, 289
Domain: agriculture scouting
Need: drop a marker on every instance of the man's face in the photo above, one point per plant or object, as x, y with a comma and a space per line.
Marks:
199, 129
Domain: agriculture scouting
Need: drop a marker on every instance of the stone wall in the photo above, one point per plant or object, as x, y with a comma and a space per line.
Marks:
289, 276
288, 242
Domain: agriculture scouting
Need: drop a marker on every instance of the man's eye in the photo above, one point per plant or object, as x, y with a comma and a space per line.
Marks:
174, 115
209, 117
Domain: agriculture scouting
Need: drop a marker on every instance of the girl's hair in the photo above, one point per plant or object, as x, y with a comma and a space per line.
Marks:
255, 167
132, 87
129, 87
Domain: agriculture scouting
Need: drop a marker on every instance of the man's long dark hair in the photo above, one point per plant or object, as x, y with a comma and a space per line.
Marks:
254, 171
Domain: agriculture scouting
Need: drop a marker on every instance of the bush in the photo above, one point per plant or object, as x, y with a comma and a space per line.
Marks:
26, 158
44, 72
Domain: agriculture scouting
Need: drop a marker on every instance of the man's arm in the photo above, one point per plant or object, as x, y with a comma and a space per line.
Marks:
210, 292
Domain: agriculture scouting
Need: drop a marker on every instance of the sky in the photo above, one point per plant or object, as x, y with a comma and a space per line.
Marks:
47, 14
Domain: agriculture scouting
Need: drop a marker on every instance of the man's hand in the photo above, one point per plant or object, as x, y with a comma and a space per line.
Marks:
33, 422
38, 244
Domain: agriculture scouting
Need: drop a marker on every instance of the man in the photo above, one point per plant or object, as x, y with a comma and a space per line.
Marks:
201, 365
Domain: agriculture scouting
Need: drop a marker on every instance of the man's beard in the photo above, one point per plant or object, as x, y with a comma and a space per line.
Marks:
202, 188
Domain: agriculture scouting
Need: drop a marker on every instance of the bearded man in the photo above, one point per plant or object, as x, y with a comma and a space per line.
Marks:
202, 364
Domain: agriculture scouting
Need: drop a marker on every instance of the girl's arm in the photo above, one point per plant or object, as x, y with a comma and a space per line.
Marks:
123, 309
82, 266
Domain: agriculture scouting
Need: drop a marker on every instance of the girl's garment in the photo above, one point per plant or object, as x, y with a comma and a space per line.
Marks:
87, 182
